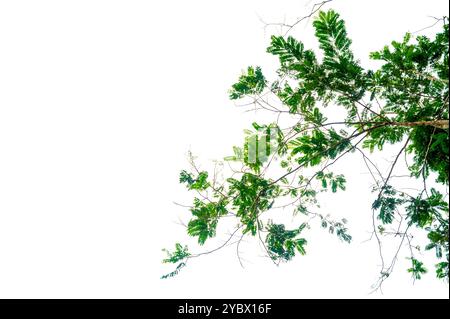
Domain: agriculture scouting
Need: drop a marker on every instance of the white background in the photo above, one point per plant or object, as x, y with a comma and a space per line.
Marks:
99, 103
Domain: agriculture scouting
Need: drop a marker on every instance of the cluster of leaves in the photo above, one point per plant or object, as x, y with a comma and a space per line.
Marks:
431, 214
206, 217
423, 211
337, 227
428, 213
413, 80
251, 196
251, 83
328, 179
178, 256
431, 152
417, 269
199, 183
387, 203
317, 146
413, 83
283, 243
402, 100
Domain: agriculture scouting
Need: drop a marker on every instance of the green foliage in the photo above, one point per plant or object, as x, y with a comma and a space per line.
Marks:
438, 237
206, 217
251, 83
337, 227
425, 213
387, 204
405, 99
178, 256
175, 272
283, 243
342, 72
442, 270
417, 269
431, 148
431, 213
289, 50
379, 136
251, 196
199, 183
329, 179
422, 212
333, 39
317, 146
413, 80
413, 83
